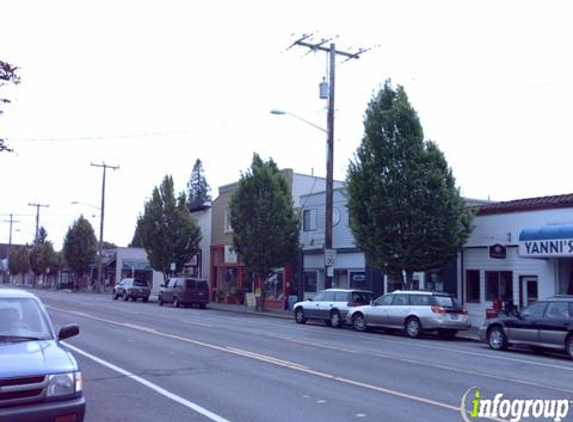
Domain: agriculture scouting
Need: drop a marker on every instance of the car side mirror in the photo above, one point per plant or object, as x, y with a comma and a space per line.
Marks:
309, 299
163, 285
372, 303
68, 331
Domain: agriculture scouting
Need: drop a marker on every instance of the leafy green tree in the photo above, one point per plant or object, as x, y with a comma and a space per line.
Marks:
42, 257
167, 230
7, 75
406, 213
198, 191
264, 220
19, 261
80, 246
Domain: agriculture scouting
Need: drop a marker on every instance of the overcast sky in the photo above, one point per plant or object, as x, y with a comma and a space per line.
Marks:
150, 86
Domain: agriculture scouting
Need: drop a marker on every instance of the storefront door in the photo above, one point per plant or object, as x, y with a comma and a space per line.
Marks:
528, 290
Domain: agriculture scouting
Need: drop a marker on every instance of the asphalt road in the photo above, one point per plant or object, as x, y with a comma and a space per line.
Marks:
145, 363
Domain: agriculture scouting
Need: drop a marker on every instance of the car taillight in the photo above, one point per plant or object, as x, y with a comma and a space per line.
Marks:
465, 311
439, 310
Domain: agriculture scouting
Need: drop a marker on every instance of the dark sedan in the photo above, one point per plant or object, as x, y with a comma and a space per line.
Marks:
547, 324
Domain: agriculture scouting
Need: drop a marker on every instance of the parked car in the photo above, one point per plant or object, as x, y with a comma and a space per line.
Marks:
331, 306
132, 288
185, 291
546, 324
39, 378
415, 312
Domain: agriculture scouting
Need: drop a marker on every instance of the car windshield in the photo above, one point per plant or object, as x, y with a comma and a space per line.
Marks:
447, 301
140, 283
22, 319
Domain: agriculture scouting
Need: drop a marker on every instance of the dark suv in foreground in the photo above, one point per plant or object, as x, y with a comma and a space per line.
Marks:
546, 324
184, 291
132, 288
39, 378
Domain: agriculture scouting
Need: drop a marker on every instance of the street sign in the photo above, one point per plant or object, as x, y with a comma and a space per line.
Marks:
329, 257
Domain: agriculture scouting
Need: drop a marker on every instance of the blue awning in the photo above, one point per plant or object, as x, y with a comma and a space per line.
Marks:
549, 232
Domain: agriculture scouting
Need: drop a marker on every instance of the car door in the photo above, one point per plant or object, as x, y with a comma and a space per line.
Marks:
398, 311
311, 307
377, 314
555, 324
167, 295
525, 328
325, 305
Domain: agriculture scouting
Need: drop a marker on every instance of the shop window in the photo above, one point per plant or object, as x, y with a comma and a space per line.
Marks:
274, 286
228, 228
357, 280
472, 286
309, 220
394, 283
310, 281
498, 285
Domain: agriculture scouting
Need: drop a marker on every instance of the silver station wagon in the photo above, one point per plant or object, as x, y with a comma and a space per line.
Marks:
412, 311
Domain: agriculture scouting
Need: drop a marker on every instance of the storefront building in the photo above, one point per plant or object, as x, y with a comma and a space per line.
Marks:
519, 251
229, 280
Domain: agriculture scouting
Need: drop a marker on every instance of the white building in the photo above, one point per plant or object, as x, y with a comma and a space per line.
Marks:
520, 250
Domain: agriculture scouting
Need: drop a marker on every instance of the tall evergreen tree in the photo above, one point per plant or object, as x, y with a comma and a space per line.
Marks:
265, 223
198, 191
168, 232
80, 246
405, 210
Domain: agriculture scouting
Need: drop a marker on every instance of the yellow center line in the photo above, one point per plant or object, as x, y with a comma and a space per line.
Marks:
271, 360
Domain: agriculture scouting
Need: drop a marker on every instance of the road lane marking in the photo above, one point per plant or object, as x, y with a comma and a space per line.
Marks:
278, 362
190, 405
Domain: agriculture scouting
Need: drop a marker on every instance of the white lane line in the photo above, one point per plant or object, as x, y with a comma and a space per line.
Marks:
278, 362
190, 405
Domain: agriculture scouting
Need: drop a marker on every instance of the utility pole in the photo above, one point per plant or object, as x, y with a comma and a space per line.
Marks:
11, 221
37, 219
99, 261
305, 41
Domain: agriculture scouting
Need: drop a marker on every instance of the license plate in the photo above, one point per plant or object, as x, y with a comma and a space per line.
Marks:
454, 316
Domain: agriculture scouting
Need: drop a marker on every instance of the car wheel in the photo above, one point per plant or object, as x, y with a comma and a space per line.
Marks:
176, 302
359, 322
160, 300
125, 297
413, 327
299, 316
335, 321
145, 299
447, 334
114, 296
496, 338
569, 346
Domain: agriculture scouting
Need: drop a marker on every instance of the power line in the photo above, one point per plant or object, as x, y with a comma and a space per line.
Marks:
95, 137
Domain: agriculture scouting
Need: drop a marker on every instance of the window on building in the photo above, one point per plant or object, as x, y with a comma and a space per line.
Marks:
228, 227
498, 285
472, 286
310, 281
309, 220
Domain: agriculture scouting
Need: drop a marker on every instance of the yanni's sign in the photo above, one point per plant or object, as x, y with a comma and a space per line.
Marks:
546, 248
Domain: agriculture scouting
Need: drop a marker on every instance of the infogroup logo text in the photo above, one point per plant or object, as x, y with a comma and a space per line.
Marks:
515, 409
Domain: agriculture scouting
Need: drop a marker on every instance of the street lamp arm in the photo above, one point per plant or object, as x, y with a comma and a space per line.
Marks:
281, 112
83, 203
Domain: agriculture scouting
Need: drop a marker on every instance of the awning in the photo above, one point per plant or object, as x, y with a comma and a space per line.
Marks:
550, 241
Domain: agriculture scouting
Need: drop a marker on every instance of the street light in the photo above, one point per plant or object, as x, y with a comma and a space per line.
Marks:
329, 205
99, 260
